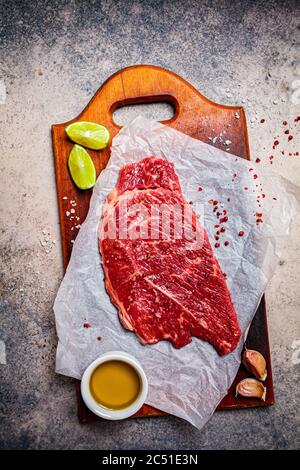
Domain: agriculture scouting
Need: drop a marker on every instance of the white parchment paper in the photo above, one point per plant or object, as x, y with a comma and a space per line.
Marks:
191, 381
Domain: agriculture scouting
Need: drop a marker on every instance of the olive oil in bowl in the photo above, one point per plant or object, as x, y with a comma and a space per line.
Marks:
115, 384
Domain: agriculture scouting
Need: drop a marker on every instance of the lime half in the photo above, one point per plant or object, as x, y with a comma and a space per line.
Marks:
82, 168
88, 134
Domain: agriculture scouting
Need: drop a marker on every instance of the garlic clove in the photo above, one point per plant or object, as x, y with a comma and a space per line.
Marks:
255, 362
251, 388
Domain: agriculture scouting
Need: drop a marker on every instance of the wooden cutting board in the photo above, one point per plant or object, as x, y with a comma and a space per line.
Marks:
194, 115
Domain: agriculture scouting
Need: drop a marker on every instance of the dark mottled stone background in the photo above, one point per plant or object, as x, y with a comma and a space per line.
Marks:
53, 57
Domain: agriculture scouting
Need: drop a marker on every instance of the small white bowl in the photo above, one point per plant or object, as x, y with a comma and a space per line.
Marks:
100, 410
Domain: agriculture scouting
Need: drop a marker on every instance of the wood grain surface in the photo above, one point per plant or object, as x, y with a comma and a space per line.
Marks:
194, 115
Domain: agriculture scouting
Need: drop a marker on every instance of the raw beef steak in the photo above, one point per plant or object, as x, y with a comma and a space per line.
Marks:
163, 286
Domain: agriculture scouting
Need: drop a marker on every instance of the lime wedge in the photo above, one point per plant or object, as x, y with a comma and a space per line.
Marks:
82, 168
88, 134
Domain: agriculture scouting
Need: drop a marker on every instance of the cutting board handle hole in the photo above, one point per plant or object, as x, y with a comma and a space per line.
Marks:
159, 111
